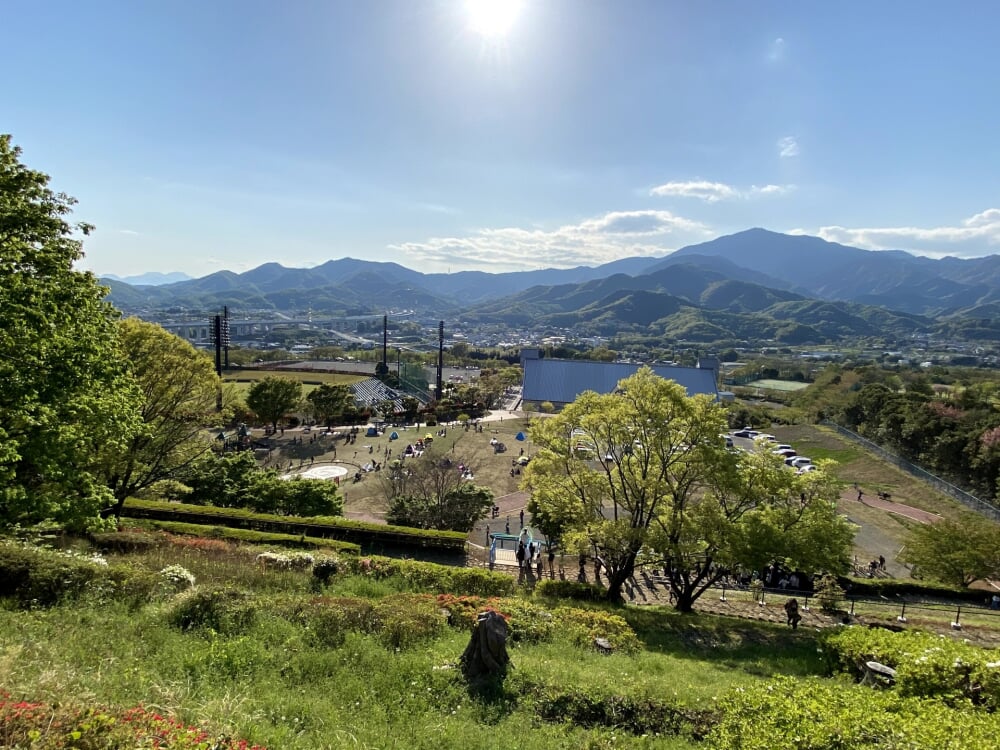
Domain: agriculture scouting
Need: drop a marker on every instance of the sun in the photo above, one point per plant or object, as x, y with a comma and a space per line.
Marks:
492, 18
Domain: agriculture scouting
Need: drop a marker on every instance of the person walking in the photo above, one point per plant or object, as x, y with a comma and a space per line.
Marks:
792, 613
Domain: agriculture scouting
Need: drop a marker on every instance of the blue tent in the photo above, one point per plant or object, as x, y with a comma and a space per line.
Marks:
394, 436
520, 436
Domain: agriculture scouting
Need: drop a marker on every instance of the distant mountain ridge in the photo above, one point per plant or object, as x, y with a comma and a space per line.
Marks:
150, 278
796, 286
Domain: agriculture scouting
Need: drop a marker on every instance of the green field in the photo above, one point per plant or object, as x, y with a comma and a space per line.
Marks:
777, 385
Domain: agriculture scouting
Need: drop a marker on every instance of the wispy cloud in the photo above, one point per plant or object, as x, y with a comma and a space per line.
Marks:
703, 189
972, 237
776, 51
788, 147
130, 232
713, 192
614, 235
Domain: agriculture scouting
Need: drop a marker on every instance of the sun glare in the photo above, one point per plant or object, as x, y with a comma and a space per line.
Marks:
492, 18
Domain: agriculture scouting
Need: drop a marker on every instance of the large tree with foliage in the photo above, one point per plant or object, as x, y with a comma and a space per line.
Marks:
955, 551
65, 393
642, 473
179, 387
431, 493
330, 402
272, 398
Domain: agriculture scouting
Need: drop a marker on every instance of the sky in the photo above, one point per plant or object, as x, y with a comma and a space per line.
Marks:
503, 135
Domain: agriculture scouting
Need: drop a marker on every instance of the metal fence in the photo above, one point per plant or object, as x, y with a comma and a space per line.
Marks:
980, 506
952, 614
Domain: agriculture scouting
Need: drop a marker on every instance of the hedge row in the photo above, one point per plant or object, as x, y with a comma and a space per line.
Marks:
430, 577
253, 537
359, 532
893, 587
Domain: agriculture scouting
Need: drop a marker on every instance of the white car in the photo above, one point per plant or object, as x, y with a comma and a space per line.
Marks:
799, 461
805, 469
783, 447
765, 436
784, 452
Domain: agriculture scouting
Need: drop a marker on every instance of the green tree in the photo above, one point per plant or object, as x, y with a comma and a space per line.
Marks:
955, 551
272, 398
65, 391
179, 386
329, 402
665, 487
431, 494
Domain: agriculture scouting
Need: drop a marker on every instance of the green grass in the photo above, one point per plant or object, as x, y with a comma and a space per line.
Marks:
277, 685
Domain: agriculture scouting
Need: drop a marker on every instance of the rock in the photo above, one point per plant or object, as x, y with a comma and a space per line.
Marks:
603, 645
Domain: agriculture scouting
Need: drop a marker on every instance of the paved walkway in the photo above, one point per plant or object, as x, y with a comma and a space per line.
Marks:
907, 511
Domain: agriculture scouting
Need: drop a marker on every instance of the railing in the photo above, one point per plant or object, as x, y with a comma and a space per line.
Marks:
950, 614
980, 506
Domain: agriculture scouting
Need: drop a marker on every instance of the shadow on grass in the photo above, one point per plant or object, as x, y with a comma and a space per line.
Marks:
493, 699
761, 649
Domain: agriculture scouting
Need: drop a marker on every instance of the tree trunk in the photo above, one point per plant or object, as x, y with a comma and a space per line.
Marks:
618, 577
684, 600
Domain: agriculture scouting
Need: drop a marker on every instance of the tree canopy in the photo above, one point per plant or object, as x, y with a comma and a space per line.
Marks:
958, 551
643, 474
178, 386
66, 396
272, 398
330, 402
431, 493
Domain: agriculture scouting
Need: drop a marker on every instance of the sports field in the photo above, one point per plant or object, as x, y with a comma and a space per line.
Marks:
777, 385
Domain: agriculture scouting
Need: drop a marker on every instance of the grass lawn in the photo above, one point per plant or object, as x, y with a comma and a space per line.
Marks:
281, 682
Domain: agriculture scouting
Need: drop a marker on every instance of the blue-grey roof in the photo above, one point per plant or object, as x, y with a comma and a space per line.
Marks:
562, 380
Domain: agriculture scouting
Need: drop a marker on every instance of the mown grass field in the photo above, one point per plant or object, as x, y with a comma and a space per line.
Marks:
777, 385
242, 380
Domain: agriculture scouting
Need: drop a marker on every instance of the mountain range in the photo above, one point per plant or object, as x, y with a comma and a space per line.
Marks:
793, 288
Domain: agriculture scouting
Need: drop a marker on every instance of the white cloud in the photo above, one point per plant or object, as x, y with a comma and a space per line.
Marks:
713, 192
973, 237
776, 52
788, 147
614, 235
706, 191
771, 189
130, 232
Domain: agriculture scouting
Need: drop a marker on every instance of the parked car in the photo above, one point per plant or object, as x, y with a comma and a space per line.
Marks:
729, 441
784, 452
783, 447
744, 433
805, 469
768, 438
799, 461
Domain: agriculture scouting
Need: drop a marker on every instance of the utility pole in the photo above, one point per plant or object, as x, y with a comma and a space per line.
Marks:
440, 358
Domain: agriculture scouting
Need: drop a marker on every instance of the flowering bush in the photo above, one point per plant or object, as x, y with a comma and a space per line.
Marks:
178, 578
38, 725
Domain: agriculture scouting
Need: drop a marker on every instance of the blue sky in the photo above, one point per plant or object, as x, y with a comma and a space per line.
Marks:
210, 135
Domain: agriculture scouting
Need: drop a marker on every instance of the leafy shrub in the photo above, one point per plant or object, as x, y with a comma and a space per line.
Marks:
399, 621
638, 715
324, 569
423, 576
927, 665
584, 625
829, 594
36, 577
38, 725
226, 611
177, 577
793, 714
123, 541
585, 592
